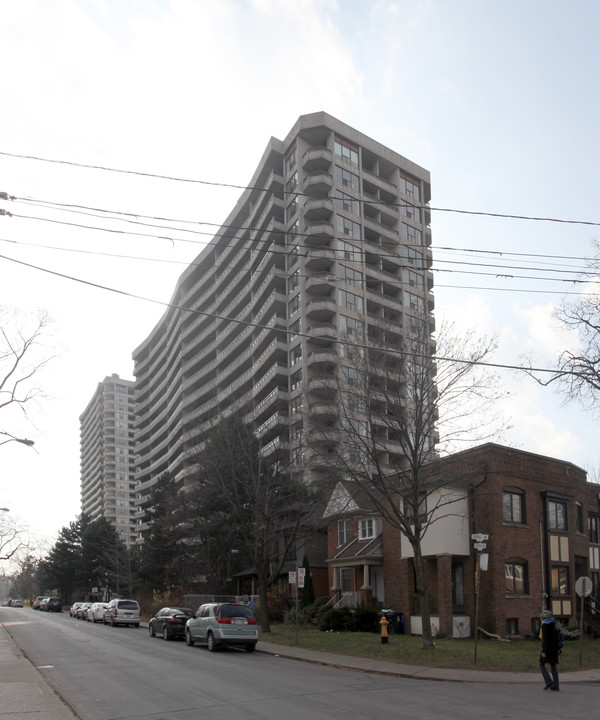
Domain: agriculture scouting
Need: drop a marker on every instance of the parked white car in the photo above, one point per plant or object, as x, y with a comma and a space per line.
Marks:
96, 612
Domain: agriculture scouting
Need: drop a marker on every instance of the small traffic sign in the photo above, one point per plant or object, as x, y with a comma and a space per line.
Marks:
584, 586
480, 537
301, 572
479, 546
291, 577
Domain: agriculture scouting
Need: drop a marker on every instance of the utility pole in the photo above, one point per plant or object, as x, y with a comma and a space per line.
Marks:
479, 545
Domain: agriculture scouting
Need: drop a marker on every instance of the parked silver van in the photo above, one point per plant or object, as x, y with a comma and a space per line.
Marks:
122, 612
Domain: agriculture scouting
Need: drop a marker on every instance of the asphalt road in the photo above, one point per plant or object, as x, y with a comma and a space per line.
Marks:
107, 673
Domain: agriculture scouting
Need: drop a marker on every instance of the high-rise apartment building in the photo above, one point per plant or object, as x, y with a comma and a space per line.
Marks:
331, 240
107, 456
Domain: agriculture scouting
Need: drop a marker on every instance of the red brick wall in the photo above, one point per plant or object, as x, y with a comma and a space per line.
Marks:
489, 469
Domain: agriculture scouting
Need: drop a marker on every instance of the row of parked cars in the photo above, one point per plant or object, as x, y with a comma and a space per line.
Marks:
213, 624
47, 604
115, 612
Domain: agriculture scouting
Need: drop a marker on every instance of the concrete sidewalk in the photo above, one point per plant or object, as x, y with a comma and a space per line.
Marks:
24, 693
418, 672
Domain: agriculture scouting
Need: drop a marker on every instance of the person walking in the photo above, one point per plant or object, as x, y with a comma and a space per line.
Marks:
549, 651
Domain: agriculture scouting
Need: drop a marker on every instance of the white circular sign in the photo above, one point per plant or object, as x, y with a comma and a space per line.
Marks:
583, 586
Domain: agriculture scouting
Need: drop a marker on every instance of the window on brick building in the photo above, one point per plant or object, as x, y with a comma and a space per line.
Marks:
344, 532
559, 580
458, 587
515, 576
557, 515
579, 517
513, 505
594, 529
366, 529
512, 626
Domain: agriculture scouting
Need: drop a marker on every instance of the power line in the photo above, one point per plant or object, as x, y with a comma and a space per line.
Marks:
396, 282
425, 208
70, 207
173, 239
387, 349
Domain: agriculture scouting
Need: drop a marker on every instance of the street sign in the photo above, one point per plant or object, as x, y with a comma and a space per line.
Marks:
480, 537
291, 577
584, 586
301, 572
479, 546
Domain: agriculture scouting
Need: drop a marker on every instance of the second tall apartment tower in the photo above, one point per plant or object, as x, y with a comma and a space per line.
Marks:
331, 240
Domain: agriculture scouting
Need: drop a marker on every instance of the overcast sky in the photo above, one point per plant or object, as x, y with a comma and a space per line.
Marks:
498, 100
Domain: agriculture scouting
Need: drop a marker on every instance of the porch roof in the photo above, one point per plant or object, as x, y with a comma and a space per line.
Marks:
361, 550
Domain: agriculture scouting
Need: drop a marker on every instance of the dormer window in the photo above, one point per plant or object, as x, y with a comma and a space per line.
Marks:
366, 529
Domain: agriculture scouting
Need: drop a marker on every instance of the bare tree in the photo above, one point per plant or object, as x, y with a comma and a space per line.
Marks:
14, 538
402, 400
577, 371
22, 357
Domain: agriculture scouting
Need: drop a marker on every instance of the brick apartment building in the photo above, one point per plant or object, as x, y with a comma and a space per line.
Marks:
542, 519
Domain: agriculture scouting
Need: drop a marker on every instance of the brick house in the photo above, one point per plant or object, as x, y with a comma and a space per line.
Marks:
542, 519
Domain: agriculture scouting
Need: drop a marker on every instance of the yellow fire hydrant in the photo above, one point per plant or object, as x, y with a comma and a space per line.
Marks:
384, 630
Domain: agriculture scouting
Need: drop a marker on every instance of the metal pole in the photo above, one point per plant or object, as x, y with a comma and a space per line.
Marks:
297, 579
476, 603
581, 626
542, 565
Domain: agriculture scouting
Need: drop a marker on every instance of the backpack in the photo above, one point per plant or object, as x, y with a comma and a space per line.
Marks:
560, 638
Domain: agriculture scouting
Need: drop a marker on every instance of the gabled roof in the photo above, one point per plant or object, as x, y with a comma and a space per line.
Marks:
348, 498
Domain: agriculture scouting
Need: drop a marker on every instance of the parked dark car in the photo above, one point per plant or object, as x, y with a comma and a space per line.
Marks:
51, 604
218, 624
170, 622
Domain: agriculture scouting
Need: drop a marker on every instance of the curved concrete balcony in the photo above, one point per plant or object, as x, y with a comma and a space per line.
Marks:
316, 158
320, 283
318, 233
324, 409
317, 358
317, 183
318, 208
319, 258
322, 386
321, 309
322, 331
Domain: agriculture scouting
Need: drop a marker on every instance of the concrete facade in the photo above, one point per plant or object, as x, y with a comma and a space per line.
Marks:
332, 235
108, 457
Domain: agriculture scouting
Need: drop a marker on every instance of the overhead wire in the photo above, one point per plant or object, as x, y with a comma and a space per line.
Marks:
425, 208
195, 311
129, 218
434, 268
396, 282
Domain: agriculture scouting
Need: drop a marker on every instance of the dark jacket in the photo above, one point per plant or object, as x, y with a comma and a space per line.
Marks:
549, 653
